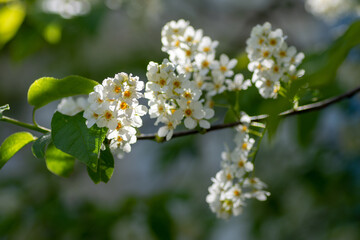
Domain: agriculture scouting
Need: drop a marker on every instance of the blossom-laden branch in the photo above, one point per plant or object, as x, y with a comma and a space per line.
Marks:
299, 110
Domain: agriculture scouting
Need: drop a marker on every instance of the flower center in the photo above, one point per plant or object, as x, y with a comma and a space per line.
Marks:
187, 95
241, 163
244, 146
273, 42
237, 193
223, 68
117, 89
244, 128
127, 94
162, 82
206, 49
282, 54
108, 115
118, 126
119, 139
268, 83
123, 105
176, 84
276, 69
229, 176
205, 63
266, 54
188, 112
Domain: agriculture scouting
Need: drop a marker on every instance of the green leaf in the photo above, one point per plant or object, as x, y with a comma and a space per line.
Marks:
321, 69
13, 144
230, 116
71, 135
11, 18
306, 126
58, 162
272, 124
48, 89
105, 167
159, 219
38, 148
4, 108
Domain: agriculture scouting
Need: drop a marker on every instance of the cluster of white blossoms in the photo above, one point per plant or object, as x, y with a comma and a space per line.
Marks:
113, 104
331, 9
232, 185
271, 60
183, 86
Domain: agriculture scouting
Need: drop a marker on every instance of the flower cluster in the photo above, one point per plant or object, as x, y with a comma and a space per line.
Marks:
271, 60
232, 184
183, 86
114, 104
331, 9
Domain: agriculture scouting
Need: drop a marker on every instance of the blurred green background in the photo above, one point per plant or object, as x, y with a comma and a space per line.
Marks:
311, 165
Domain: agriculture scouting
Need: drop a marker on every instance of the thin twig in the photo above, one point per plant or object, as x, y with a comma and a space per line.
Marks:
25, 125
299, 110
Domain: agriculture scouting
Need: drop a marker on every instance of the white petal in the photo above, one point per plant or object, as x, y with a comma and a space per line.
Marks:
190, 123
163, 131
204, 124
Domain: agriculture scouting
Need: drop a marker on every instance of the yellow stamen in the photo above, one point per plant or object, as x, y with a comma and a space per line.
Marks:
205, 63
108, 115
117, 89
223, 68
206, 49
273, 42
123, 105
127, 94
268, 83
244, 146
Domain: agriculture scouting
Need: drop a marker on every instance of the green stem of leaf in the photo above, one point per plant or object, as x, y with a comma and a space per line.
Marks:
33, 118
25, 125
258, 145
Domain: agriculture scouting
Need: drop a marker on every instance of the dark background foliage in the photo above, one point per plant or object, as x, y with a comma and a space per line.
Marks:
311, 163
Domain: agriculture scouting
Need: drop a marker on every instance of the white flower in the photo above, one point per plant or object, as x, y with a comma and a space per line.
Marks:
192, 111
268, 88
330, 9
207, 46
217, 86
224, 66
203, 62
170, 124
244, 144
71, 107
238, 83
242, 166
255, 183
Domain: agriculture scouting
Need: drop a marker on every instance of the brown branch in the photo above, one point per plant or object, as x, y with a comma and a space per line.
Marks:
299, 110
